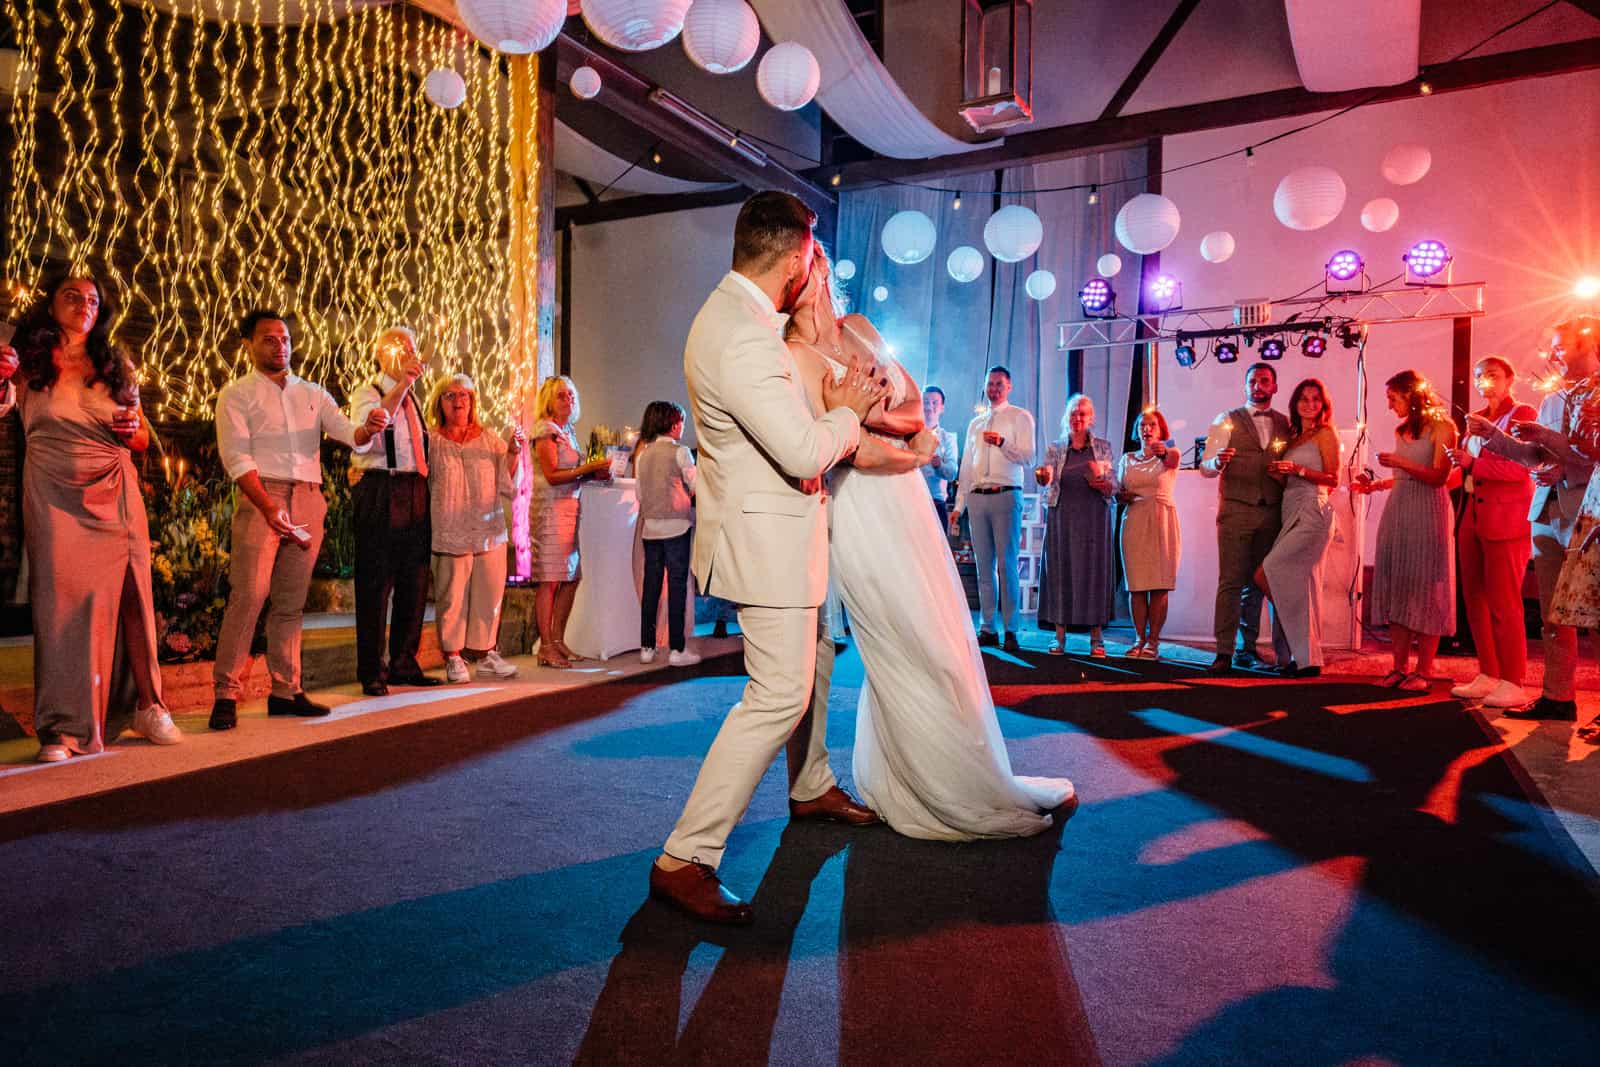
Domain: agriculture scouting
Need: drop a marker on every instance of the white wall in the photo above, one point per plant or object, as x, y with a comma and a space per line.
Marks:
636, 285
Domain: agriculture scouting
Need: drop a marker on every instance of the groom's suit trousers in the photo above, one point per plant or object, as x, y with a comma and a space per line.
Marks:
785, 703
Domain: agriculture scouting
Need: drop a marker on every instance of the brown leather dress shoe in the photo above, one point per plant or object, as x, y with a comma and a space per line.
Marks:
697, 890
834, 806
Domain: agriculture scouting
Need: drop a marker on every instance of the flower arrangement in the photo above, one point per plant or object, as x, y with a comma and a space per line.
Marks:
190, 520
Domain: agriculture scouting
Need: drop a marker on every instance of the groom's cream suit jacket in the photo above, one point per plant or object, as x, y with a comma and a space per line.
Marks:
761, 539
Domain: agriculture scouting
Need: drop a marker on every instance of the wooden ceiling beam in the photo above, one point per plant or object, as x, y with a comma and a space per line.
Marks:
1141, 70
634, 207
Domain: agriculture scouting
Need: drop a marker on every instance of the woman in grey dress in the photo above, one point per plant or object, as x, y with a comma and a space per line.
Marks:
1075, 575
1414, 577
1291, 575
1151, 540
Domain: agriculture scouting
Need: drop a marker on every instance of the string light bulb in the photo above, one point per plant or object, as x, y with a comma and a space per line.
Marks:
956, 204
1094, 195
1425, 88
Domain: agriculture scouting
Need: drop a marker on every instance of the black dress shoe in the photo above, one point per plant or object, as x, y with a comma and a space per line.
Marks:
224, 714
1289, 670
375, 689
1220, 665
1547, 710
1246, 661
720, 630
418, 679
988, 638
299, 704
1011, 644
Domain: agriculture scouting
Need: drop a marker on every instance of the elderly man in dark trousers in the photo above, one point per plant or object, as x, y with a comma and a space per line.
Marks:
1239, 446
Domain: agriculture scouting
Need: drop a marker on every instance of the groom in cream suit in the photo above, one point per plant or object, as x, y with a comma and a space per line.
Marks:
762, 543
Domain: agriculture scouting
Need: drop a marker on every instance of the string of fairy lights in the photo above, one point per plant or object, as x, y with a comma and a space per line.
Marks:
249, 161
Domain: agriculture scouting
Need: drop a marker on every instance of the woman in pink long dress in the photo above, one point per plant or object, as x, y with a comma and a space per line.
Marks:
84, 526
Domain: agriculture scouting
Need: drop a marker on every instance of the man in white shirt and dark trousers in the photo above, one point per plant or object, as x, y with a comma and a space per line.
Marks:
944, 467
270, 426
996, 457
394, 537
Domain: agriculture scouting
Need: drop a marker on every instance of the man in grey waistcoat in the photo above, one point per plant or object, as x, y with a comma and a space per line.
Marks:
1239, 446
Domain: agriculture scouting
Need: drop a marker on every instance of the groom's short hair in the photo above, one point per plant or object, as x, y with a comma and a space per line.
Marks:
770, 225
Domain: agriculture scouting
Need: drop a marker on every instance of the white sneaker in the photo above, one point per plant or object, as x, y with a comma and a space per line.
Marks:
495, 664
455, 670
683, 659
1477, 689
647, 655
1506, 695
155, 725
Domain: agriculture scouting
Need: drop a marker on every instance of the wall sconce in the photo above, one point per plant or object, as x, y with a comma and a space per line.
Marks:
996, 63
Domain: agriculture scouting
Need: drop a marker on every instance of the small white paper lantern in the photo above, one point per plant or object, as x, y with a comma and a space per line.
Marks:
909, 237
445, 88
1380, 215
515, 27
1013, 233
1148, 223
845, 269
1108, 265
1217, 246
585, 83
881, 293
635, 25
788, 76
1406, 163
1040, 284
965, 264
1309, 198
721, 36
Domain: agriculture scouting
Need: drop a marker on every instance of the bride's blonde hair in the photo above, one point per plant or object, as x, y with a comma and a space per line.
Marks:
836, 297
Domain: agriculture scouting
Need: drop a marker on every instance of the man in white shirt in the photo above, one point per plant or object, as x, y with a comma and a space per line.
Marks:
944, 467
394, 536
270, 425
994, 461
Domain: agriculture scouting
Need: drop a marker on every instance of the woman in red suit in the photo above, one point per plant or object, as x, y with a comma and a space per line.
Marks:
1494, 543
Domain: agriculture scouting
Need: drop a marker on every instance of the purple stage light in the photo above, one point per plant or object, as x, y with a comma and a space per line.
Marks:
1225, 352
1345, 265
1314, 345
1096, 296
1427, 258
1164, 286
1272, 348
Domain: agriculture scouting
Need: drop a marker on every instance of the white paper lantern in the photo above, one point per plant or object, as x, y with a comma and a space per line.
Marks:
585, 83
635, 25
1148, 223
1406, 163
1013, 233
1217, 246
1380, 215
909, 237
445, 88
965, 264
880, 294
515, 27
721, 36
1309, 198
1040, 284
1108, 265
788, 76
845, 269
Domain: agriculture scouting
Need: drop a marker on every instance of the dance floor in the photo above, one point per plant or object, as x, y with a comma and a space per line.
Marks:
1266, 872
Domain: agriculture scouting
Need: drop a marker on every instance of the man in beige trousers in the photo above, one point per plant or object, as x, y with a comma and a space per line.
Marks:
762, 543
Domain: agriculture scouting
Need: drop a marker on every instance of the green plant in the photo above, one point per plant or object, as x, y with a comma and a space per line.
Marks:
190, 522
337, 559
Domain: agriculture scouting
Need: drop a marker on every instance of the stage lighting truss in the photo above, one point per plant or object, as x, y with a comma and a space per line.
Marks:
1345, 272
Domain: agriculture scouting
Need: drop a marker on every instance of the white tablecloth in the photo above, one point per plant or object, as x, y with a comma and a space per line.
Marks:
605, 615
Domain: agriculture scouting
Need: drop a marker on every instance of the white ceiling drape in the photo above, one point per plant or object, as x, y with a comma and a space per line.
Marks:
1354, 44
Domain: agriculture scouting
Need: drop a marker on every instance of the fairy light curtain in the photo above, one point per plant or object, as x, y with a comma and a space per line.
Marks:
277, 153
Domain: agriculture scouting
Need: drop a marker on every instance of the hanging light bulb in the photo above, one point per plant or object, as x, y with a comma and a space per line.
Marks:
957, 204
1094, 195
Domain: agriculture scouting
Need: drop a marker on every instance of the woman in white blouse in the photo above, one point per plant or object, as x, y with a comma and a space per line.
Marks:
1151, 543
471, 472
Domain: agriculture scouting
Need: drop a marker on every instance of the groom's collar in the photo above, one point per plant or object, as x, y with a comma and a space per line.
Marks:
762, 301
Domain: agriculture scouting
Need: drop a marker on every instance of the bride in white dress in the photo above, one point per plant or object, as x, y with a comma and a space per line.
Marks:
929, 756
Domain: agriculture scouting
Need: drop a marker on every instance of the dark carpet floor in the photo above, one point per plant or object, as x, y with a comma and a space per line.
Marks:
1259, 873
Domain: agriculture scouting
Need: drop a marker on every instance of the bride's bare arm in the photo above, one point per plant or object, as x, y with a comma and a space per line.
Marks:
880, 457
905, 420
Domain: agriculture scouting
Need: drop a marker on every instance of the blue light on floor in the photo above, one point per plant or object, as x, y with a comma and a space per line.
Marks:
1293, 755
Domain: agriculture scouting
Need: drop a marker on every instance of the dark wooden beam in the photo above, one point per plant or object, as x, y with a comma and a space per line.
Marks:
1101, 135
628, 96
586, 189
633, 207
1147, 62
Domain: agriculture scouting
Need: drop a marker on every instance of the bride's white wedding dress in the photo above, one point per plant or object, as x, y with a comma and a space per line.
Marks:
929, 756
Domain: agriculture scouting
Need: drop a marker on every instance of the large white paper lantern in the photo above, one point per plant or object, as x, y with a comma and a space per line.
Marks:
1406, 163
880, 294
1309, 198
965, 264
1380, 215
585, 83
1013, 233
1040, 284
788, 76
1109, 265
635, 25
845, 269
909, 237
721, 36
445, 88
515, 27
1217, 246
1148, 223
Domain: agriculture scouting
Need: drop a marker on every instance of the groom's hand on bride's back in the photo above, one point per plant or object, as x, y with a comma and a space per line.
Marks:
861, 389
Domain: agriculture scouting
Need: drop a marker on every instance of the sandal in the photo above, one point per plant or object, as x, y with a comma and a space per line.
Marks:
1415, 683
1097, 651
1135, 650
1152, 650
1392, 679
554, 659
1056, 649
566, 653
